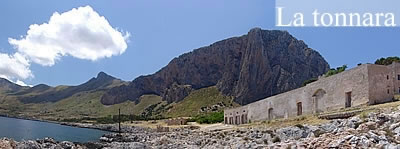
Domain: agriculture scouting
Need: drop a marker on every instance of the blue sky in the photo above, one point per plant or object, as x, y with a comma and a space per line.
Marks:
161, 30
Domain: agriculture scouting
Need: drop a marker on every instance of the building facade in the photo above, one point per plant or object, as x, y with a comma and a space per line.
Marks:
366, 84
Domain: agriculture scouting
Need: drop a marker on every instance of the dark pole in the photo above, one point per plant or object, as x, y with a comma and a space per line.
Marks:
119, 120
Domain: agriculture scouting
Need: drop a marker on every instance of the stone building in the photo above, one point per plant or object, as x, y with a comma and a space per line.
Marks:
366, 84
176, 121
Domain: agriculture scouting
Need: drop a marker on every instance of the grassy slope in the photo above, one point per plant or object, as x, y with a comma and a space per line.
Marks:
87, 104
191, 104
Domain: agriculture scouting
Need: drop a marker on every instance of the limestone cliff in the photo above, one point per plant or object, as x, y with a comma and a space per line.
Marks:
251, 67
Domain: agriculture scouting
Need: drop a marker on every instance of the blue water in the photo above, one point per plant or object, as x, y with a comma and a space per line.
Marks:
19, 129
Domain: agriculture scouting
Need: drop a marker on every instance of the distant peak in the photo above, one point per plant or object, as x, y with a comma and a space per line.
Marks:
41, 86
103, 75
259, 30
256, 29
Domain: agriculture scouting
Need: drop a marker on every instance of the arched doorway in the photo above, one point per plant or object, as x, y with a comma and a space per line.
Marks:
270, 114
317, 96
299, 108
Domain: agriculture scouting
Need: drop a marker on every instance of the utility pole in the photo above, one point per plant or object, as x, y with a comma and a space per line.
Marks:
119, 120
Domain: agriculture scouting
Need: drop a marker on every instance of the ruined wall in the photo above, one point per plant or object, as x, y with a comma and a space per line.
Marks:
176, 121
323, 95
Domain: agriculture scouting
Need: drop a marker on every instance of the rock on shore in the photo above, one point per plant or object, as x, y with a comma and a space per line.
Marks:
47, 143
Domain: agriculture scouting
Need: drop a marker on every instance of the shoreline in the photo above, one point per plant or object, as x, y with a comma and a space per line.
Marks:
379, 128
76, 125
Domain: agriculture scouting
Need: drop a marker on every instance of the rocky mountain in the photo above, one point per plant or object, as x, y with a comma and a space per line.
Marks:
8, 86
248, 68
45, 93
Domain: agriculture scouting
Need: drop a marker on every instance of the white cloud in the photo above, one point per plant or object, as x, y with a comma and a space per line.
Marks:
81, 33
14, 67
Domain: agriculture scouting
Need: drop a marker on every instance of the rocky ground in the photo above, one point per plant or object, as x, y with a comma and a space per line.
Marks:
374, 130
38, 144
378, 129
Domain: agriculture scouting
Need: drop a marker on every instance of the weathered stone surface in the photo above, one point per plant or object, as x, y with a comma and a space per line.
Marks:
254, 66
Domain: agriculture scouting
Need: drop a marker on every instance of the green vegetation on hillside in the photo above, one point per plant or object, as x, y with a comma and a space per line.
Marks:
387, 61
336, 71
206, 97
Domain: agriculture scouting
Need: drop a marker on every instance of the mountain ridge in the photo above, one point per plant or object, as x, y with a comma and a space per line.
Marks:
45, 93
8, 86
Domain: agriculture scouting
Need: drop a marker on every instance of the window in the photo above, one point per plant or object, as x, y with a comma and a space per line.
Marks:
398, 77
387, 77
388, 91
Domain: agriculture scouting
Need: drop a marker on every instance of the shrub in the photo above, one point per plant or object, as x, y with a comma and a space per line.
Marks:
210, 118
73, 120
387, 61
364, 115
309, 81
336, 71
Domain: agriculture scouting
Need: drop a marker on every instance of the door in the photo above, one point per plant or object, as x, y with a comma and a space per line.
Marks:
270, 113
299, 109
348, 100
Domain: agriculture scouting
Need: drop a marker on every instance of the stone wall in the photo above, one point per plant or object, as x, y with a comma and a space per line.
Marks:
365, 84
396, 77
176, 121
236, 116
381, 84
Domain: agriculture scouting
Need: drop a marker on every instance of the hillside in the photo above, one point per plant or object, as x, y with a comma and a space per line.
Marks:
9, 87
199, 102
87, 105
248, 68
43, 93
